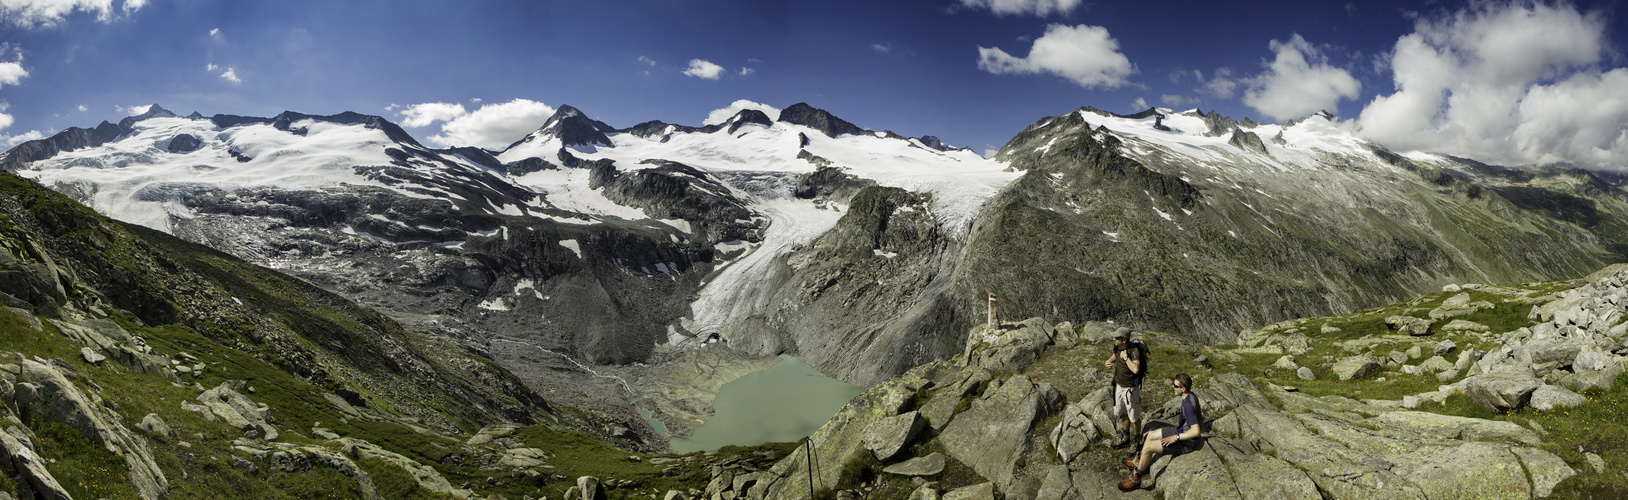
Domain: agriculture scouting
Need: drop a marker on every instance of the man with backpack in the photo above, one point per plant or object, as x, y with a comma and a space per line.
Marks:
1129, 362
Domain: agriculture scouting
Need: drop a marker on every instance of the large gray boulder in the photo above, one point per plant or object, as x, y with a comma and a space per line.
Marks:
1435, 364
929, 465
237, 410
1355, 367
886, 437
1074, 434
1551, 397
1409, 325
993, 433
1502, 390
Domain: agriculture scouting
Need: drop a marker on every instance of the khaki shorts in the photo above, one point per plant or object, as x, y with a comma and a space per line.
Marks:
1128, 402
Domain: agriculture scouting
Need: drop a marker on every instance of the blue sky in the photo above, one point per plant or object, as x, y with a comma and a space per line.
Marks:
1503, 82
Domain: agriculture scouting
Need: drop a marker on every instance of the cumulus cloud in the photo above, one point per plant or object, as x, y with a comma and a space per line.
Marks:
493, 126
214, 32
1298, 82
1509, 84
231, 76
701, 68
1139, 104
211, 67
1221, 84
12, 73
747, 71
10, 141
1086, 55
82, 108
51, 13
426, 114
1040, 8
1174, 101
719, 115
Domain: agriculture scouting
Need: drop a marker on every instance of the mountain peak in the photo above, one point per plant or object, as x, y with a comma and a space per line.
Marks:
153, 111
818, 119
574, 128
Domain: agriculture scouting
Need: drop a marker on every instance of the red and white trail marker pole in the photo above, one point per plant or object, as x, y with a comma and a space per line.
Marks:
992, 309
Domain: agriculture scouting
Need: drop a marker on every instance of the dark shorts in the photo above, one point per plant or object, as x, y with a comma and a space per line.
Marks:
1180, 447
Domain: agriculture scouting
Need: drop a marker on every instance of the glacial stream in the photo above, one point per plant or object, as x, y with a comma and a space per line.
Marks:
784, 403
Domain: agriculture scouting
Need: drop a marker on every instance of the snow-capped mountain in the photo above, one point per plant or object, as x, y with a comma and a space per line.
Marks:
862, 252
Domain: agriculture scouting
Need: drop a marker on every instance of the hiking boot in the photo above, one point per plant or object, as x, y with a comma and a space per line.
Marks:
1131, 483
1130, 463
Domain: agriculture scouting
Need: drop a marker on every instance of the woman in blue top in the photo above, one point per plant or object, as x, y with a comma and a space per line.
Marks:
1176, 440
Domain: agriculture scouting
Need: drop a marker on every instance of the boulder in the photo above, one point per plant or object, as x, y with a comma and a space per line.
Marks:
1502, 390
981, 491
675, 495
1457, 305
1584, 380
1199, 475
1074, 434
1550, 397
91, 356
1459, 325
1286, 362
1261, 476
1355, 367
154, 425
1446, 347
993, 433
886, 437
1470, 470
1058, 484
1305, 374
1435, 364
1409, 325
929, 465
239, 411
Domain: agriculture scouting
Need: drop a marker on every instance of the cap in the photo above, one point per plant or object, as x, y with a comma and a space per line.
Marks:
1123, 332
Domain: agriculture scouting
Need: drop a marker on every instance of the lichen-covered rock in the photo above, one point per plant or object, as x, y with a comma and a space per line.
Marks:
1459, 325
28, 471
993, 433
1074, 434
1550, 398
239, 411
1502, 390
981, 491
426, 477
1435, 364
929, 465
885, 438
1409, 325
1354, 367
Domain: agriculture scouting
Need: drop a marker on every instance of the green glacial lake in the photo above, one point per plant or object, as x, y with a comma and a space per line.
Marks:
784, 403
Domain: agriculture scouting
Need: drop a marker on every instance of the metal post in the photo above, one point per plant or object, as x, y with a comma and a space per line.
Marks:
992, 323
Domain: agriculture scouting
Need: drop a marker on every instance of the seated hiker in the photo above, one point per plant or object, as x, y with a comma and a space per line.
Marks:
1176, 440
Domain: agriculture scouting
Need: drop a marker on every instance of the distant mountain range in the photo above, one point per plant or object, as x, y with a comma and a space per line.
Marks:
862, 252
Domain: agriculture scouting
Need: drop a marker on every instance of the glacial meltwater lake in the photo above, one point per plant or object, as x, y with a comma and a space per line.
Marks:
784, 403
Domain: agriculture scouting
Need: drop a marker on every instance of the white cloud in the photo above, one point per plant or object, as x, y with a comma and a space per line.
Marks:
1139, 104
701, 68
1175, 101
882, 47
50, 13
82, 108
133, 110
1221, 84
214, 32
426, 114
646, 60
211, 67
231, 76
1508, 84
1040, 8
1299, 82
1086, 55
10, 141
747, 71
12, 73
719, 115
493, 126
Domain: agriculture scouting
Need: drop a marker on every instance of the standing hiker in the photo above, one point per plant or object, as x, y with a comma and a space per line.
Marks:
1129, 364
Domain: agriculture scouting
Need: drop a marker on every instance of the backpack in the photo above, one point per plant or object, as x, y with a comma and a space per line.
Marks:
1142, 349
